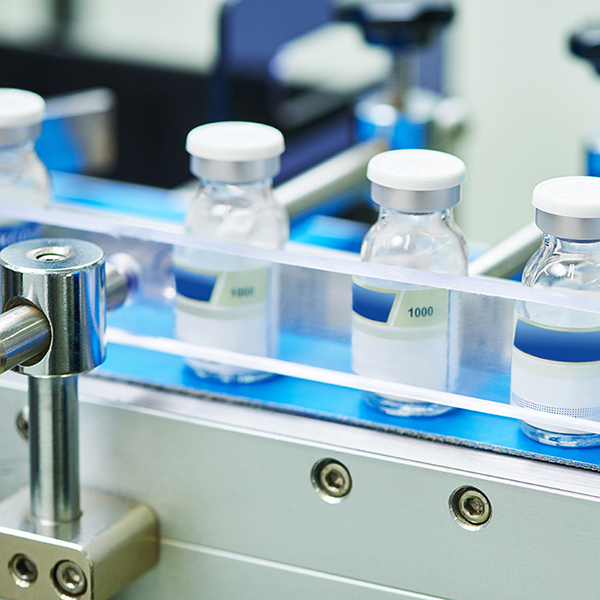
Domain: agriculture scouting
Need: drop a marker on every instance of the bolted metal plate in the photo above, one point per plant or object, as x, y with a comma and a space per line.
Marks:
241, 518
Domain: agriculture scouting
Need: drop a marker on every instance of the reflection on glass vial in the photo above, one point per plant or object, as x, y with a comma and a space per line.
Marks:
23, 177
225, 301
556, 352
401, 332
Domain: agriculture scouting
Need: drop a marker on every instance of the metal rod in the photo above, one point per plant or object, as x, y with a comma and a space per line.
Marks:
24, 335
335, 175
122, 279
54, 449
400, 79
116, 287
509, 256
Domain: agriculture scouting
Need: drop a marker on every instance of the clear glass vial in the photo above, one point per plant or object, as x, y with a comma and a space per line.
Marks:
401, 332
225, 301
556, 352
23, 177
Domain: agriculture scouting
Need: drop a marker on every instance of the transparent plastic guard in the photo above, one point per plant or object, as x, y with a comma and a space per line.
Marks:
315, 313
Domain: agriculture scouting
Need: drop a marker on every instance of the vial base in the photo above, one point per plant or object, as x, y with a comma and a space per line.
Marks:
404, 408
225, 373
563, 440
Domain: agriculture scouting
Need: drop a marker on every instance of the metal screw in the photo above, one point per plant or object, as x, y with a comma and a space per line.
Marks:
331, 479
70, 579
22, 423
471, 507
23, 570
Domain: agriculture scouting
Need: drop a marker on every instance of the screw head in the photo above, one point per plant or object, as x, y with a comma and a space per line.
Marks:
70, 579
470, 507
331, 479
23, 570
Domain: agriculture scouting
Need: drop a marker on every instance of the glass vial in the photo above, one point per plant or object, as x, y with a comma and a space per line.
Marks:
401, 332
556, 352
23, 177
224, 301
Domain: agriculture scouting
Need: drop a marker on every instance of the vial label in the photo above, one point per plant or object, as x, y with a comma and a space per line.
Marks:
400, 333
228, 309
556, 370
17, 231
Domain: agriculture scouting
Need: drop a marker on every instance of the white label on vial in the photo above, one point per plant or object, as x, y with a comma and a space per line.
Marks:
400, 333
556, 370
228, 309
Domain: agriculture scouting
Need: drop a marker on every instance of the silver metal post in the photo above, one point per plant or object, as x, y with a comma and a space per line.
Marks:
400, 79
122, 279
52, 329
331, 177
54, 449
55, 297
508, 256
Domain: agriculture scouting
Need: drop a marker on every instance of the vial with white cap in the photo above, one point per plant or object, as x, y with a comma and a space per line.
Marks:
401, 332
556, 352
23, 177
225, 301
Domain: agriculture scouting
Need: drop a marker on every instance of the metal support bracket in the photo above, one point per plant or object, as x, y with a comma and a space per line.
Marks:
54, 540
92, 558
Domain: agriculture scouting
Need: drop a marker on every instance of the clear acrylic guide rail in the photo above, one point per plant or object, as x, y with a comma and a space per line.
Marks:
315, 312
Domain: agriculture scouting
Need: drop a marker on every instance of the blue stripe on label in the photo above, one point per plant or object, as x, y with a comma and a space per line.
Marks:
561, 346
375, 306
197, 286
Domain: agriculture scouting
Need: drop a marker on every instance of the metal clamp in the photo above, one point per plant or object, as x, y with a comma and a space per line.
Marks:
55, 295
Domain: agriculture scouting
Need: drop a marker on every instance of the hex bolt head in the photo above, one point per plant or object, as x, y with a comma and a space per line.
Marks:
331, 479
70, 579
23, 570
470, 507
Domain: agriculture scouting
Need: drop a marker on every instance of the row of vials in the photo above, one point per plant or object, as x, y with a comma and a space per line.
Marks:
400, 332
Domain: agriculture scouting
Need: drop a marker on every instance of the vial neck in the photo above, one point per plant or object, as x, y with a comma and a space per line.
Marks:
220, 191
556, 244
426, 219
16, 137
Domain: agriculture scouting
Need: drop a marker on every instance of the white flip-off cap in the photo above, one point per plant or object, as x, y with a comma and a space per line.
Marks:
416, 170
237, 141
19, 108
576, 196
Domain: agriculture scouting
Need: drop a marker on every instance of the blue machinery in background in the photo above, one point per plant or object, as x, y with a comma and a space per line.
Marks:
401, 114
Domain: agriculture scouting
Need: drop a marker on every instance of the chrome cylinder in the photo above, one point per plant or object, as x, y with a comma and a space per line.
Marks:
24, 336
65, 279
54, 449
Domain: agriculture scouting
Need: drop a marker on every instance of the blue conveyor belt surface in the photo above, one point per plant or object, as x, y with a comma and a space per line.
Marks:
329, 402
